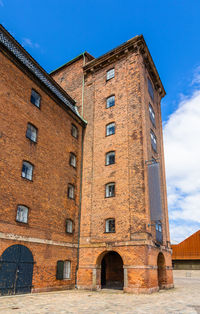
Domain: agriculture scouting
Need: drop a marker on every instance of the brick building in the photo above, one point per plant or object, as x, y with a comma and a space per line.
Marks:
117, 224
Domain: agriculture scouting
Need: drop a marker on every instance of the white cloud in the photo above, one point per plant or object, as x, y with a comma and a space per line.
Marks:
182, 156
1, 3
27, 42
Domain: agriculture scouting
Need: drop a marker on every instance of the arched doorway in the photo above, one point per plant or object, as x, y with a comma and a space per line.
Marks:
16, 270
161, 271
112, 273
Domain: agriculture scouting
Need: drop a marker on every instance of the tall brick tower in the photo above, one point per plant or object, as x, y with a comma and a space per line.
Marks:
124, 231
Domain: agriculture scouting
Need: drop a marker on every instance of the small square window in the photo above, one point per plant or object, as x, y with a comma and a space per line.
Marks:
35, 98
110, 190
27, 170
72, 160
110, 129
110, 101
31, 133
110, 225
152, 115
22, 214
71, 191
110, 158
150, 89
74, 131
153, 141
67, 270
110, 74
69, 226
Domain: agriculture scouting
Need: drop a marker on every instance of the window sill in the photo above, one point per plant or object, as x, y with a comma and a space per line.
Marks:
31, 141
109, 232
109, 196
24, 178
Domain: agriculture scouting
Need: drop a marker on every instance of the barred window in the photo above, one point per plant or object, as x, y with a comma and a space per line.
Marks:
72, 160
22, 214
71, 191
31, 132
110, 189
110, 158
69, 226
110, 101
110, 74
27, 170
153, 141
110, 129
110, 225
35, 98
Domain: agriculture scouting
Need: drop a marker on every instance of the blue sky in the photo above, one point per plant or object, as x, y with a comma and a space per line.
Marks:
54, 32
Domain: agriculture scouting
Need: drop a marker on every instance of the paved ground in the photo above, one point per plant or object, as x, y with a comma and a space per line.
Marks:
185, 298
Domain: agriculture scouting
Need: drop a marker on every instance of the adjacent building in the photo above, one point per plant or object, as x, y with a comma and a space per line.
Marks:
88, 202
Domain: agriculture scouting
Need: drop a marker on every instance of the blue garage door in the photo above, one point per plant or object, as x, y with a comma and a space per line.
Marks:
16, 270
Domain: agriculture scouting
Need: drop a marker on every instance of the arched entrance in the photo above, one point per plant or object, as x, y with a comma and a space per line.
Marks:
112, 273
161, 271
16, 270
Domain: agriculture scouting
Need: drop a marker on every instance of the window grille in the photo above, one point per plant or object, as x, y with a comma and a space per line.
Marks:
67, 270
153, 141
110, 101
110, 129
110, 74
27, 170
72, 160
152, 115
31, 133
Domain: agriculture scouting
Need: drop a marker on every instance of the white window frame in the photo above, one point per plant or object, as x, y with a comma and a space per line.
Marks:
110, 101
67, 270
69, 226
35, 98
31, 132
73, 160
108, 191
112, 153
22, 214
110, 74
109, 127
27, 170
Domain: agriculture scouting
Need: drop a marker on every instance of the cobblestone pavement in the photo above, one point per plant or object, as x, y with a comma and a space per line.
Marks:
184, 298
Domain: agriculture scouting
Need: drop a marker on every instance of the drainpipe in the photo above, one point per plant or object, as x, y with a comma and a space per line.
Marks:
81, 179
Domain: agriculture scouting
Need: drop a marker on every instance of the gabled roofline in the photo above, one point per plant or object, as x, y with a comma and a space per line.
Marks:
88, 55
18, 53
136, 44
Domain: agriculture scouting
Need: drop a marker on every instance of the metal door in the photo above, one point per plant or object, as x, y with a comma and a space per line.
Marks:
16, 270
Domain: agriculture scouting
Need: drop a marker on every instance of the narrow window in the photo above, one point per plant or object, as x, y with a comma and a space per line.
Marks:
110, 101
67, 270
153, 141
150, 89
110, 225
74, 131
110, 190
71, 190
69, 226
27, 170
110, 158
110, 74
72, 160
35, 98
31, 132
22, 214
152, 115
110, 129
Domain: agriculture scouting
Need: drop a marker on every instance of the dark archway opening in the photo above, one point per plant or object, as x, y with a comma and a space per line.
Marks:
16, 270
112, 273
162, 276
